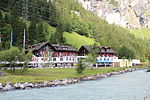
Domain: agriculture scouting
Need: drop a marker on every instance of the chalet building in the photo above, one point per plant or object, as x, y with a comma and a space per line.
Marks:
40, 49
106, 55
62, 50
53, 53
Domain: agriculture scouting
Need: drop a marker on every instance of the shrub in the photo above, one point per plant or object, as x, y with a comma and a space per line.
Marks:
81, 67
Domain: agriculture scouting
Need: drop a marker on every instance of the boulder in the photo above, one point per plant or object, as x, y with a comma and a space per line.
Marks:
64, 82
38, 85
45, 83
85, 78
2, 73
69, 81
49, 84
114, 73
26, 84
56, 82
90, 77
76, 80
16, 86
31, 85
7, 87
108, 74
103, 76
1, 86
22, 86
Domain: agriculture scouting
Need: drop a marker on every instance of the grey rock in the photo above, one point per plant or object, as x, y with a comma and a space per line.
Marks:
70, 81
76, 80
91, 77
49, 84
2, 73
26, 84
8, 87
56, 82
16, 86
108, 74
85, 79
8, 83
45, 83
114, 73
31, 85
103, 76
38, 85
64, 82
1, 86
22, 86
122, 14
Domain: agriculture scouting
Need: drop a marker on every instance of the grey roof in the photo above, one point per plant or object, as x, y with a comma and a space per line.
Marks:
36, 46
108, 49
87, 47
58, 47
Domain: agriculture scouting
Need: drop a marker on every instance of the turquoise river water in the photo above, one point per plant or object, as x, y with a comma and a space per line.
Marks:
128, 86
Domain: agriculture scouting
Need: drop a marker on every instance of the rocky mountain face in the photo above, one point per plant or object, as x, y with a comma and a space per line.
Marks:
126, 13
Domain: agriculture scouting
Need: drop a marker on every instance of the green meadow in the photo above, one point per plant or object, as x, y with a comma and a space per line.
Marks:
45, 74
77, 40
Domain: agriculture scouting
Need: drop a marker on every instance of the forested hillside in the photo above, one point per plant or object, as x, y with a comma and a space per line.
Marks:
57, 21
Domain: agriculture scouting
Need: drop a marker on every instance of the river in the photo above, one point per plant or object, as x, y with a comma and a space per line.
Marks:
128, 86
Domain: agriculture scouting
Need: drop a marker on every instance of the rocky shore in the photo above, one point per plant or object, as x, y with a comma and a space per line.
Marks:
27, 85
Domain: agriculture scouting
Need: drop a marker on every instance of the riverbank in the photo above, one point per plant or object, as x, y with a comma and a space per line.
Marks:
60, 82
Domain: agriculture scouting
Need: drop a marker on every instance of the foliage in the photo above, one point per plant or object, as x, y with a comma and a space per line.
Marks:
55, 21
125, 53
113, 2
11, 56
91, 59
81, 66
142, 33
77, 40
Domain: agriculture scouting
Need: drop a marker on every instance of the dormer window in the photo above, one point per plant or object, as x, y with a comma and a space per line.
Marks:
64, 48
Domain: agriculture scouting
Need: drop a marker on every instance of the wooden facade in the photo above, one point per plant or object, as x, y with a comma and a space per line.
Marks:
102, 51
51, 50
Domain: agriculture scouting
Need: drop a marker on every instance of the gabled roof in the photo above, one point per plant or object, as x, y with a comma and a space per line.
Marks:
36, 46
108, 49
58, 47
55, 47
87, 47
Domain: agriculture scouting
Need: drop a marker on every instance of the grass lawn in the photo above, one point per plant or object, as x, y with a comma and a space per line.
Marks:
41, 75
77, 40
143, 33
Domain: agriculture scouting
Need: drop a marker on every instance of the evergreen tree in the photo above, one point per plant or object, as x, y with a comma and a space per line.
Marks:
125, 53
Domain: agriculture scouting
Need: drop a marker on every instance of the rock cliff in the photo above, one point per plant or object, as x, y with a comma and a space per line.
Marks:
127, 13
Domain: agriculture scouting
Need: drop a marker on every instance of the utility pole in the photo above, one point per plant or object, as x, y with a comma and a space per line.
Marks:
11, 39
0, 37
24, 15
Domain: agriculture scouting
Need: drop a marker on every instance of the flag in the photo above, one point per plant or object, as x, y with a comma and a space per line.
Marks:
11, 39
24, 40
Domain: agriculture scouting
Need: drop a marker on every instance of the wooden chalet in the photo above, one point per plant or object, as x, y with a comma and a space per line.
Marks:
53, 53
53, 50
40, 49
62, 50
102, 50
105, 55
